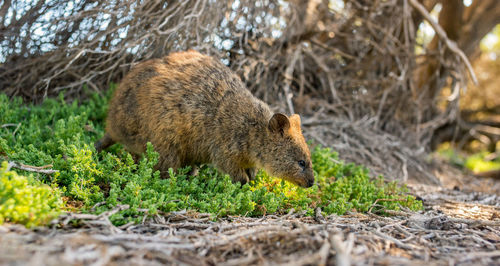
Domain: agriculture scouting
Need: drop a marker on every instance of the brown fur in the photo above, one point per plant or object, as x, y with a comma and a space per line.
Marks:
194, 110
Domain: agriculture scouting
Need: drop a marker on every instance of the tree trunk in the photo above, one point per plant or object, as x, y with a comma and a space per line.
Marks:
466, 26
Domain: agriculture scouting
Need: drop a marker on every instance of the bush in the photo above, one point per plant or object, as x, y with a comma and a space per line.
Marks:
26, 201
476, 162
63, 134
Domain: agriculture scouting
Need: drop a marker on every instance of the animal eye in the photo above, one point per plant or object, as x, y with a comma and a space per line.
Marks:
302, 164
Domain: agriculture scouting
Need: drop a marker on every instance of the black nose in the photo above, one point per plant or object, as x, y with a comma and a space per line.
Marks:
310, 183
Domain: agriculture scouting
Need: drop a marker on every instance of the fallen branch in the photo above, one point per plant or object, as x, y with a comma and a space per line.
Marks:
474, 223
30, 168
491, 174
378, 200
397, 242
8, 125
342, 257
318, 217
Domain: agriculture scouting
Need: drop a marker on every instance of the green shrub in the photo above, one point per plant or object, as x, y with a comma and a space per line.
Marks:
26, 201
63, 134
476, 162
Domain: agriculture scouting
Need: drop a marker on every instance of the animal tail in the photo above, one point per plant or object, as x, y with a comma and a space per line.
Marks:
104, 143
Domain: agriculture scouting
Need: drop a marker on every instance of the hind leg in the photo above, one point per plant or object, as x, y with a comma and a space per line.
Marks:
166, 162
237, 174
104, 143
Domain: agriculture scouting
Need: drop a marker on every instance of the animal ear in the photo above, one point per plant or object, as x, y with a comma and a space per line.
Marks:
295, 121
279, 123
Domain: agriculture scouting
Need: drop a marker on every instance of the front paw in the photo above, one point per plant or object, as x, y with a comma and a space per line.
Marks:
195, 170
251, 173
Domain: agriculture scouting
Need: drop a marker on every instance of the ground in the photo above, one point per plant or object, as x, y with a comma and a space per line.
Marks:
458, 227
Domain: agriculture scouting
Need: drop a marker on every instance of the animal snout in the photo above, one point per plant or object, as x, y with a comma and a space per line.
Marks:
309, 182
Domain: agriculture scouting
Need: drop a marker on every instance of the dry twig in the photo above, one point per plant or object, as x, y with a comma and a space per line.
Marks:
29, 168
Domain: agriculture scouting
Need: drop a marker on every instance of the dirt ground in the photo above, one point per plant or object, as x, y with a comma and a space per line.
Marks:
458, 227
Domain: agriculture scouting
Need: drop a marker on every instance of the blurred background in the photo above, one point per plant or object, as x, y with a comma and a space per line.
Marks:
403, 86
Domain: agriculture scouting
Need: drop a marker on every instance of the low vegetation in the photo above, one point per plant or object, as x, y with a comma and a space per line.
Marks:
62, 135
25, 200
477, 161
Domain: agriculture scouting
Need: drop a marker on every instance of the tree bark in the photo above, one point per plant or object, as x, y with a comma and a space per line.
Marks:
450, 21
479, 19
